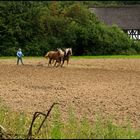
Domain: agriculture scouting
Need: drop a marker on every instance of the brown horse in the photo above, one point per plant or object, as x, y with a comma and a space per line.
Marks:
67, 54
66, 57
55, 55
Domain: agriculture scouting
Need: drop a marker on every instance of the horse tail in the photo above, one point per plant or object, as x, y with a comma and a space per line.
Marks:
46, 56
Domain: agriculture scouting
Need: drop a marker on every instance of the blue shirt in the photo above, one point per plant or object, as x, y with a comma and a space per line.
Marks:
19, 54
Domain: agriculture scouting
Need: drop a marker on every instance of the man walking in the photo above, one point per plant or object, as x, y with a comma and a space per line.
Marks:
19, 56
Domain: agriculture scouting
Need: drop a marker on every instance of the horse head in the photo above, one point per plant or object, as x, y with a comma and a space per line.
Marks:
60, 52
68, 51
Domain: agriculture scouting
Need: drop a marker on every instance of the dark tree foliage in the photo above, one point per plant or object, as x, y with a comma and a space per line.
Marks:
40, 26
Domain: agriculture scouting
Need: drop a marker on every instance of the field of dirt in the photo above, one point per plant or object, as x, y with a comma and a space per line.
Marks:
110, 87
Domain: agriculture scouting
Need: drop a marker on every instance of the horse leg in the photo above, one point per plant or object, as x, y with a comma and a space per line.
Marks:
52, 61
67, 62
55, 63
59, 63
62, 63
49, 62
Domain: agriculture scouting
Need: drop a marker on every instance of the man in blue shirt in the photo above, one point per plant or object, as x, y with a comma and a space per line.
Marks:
19, 56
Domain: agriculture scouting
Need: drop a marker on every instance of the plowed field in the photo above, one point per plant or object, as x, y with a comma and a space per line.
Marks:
110, 87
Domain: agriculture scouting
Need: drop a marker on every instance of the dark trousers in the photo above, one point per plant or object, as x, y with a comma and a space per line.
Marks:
19, 58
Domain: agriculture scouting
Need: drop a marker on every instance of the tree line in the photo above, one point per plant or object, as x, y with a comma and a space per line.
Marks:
40, 26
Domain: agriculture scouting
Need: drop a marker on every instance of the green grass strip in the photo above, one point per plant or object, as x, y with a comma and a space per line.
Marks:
79, 57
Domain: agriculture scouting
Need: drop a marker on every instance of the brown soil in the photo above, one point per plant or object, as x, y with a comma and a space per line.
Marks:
110, 87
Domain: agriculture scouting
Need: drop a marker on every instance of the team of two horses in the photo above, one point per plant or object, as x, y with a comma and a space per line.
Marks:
58, 56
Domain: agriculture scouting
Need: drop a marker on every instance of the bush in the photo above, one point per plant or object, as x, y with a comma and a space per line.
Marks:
136, 45
40, 27
10, 51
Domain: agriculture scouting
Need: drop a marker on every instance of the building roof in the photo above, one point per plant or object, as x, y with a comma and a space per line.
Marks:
126, 17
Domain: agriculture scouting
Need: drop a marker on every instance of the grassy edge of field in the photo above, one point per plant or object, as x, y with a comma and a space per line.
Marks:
79, 57
55, 128
106, 56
